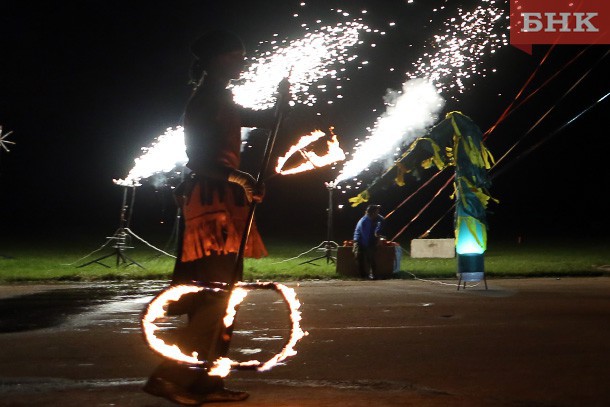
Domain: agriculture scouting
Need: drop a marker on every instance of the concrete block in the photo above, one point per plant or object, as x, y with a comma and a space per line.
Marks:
433, 248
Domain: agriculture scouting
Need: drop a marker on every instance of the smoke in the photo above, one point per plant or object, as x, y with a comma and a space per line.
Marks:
408, 114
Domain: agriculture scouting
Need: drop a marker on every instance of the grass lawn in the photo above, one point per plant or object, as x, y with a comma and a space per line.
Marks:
60, 260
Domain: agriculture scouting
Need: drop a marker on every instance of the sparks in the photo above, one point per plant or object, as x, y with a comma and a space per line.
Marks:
458, 52
307, 60
312, 160
222, 366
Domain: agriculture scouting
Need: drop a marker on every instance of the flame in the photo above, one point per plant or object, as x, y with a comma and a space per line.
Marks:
222, 366
296, 333
333, 154
237, 296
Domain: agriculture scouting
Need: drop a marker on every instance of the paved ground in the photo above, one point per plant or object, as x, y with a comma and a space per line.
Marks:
522, 342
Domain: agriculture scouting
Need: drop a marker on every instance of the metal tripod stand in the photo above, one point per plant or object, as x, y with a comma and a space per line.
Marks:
122, 236
328, 245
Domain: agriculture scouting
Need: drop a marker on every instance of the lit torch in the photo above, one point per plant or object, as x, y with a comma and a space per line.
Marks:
333, 154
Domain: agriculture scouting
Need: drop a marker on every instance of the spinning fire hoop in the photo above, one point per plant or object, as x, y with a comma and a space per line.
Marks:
221, 367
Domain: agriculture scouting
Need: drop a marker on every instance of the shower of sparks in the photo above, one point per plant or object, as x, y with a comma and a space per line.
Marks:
165, 154
222, 366
4, 142
407, 116
312, 160
321, 54
457, 54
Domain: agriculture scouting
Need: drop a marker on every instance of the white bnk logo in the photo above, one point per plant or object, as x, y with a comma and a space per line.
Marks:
532, 22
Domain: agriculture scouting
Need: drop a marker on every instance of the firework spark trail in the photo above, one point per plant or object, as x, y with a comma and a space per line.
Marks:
320, 54
458, 52
406, 117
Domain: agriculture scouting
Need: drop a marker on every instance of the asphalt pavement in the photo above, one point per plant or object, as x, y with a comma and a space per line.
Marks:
521, 342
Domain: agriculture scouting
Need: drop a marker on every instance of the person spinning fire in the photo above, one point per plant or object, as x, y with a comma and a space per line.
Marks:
366, 236
214, 201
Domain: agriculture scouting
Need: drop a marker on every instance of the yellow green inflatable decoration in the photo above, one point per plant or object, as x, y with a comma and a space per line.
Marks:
458, 142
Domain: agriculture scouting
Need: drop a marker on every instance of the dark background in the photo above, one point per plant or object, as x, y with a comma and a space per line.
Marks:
86, 85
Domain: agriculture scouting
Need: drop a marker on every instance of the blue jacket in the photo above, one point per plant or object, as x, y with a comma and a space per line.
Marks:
367, 230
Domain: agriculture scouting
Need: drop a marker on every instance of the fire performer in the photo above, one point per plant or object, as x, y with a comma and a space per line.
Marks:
366, 236
215, 203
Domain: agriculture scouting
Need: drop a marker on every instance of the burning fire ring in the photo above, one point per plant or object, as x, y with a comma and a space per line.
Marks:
222, 366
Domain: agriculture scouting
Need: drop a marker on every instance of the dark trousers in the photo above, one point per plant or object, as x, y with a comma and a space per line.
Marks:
366, 261
205, 332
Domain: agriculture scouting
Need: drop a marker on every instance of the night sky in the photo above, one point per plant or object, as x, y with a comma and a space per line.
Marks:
85, 86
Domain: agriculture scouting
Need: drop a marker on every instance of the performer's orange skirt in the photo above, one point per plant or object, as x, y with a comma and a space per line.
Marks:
215, 215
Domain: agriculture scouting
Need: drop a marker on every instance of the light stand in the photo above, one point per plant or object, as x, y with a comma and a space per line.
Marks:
328, 245
122, 236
